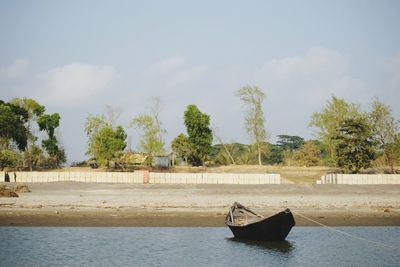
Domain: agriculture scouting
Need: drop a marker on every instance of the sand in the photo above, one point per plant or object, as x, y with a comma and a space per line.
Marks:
90, 204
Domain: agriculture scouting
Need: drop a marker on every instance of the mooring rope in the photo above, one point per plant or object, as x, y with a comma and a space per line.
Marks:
345, 233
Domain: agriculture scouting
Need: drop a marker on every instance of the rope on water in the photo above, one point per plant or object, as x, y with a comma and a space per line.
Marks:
345, 233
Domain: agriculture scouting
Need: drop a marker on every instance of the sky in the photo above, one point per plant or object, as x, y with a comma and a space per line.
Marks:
76, 57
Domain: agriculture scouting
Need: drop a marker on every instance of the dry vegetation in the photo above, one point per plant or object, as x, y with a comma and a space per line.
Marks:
11, 191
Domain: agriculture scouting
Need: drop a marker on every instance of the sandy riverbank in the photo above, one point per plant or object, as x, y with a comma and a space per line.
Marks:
86, 204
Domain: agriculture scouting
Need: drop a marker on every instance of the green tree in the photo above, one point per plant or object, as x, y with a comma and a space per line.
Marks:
392, 152
308, 155
36, 155
105, 142
384, 128
12, 120
49, 123
20, 120
34, 111
283, 150
228, 153
252, 98
240, 153
56, 155
150, 142
94, 123
276, 154
199, 134
355, 148
290, 142
328, 122
244, 154
8, 159
181, 147
156, 109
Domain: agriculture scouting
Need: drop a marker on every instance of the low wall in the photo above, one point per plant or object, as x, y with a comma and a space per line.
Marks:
214, 178
89, 177
139, 177
367, 179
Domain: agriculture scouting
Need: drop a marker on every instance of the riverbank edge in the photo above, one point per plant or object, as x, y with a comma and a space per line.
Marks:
70, 218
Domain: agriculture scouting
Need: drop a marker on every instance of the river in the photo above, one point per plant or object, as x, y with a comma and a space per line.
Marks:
185, 246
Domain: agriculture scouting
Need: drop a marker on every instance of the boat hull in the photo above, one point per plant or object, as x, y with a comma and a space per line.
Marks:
274, 228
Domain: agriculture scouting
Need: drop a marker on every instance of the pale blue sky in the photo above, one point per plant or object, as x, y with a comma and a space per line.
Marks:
77, 56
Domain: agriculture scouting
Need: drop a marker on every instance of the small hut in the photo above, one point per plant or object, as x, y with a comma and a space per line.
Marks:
163, 161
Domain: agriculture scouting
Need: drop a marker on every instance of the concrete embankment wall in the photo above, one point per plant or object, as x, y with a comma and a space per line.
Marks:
366, 179
89, 177
214, 178
139, 177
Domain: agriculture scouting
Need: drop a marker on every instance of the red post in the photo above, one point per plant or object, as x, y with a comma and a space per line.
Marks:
146, 175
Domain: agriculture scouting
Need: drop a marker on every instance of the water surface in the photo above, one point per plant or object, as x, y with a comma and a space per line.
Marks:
169, 246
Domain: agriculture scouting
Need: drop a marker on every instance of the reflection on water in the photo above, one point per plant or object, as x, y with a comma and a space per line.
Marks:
278, 246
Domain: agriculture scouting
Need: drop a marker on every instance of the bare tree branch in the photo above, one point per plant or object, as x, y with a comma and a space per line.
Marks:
219, 139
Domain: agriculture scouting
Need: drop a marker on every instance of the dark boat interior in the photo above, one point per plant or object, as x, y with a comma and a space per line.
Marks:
240, 215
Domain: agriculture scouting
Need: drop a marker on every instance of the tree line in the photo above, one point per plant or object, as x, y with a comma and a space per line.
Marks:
346, 137
28, 136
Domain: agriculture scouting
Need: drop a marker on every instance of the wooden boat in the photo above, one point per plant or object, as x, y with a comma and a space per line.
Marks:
246, 224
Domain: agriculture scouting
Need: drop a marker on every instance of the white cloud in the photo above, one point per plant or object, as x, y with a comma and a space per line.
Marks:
317, 61
73, 84
299, 85
164, 66
15, 70
186, 75
316, 75
168, 76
